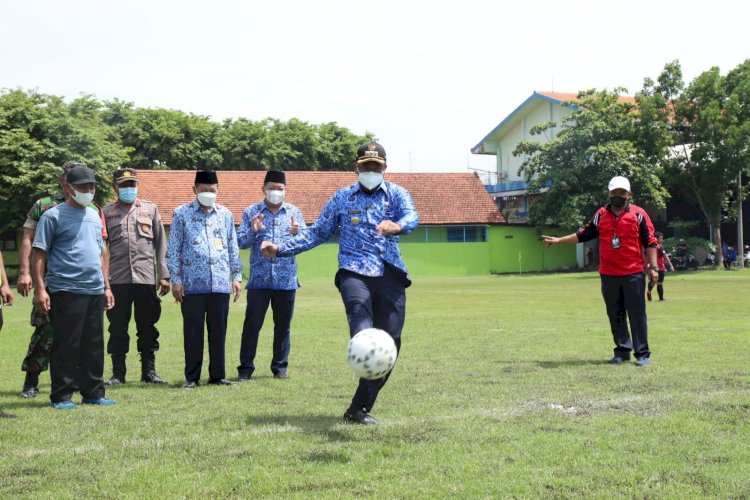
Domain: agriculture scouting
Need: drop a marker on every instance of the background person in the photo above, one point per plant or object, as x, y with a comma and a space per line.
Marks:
74, 291
271, 281
372, 277
137, 245
6, 299
40, 345
205, 268
624, 231
662, 261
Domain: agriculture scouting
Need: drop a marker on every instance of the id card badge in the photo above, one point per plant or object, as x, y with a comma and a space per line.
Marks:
218, 245
616, 243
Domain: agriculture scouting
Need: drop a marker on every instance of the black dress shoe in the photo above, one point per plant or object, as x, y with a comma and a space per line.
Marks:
359, 417
29, 392
281, 375
243, 377
220, 381
115, 381
153, 378
190, 385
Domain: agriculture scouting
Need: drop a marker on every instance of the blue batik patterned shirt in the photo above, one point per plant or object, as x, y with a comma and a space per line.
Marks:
361, 249
279, 273
203, 255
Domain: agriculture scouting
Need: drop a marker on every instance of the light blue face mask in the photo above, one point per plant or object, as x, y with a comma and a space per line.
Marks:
128, 195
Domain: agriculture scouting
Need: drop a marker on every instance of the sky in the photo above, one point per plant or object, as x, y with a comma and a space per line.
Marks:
429, 79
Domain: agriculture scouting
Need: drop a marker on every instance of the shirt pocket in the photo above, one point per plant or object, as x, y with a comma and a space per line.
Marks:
114, 230
145, 227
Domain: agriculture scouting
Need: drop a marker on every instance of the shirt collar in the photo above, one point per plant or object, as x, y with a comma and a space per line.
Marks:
626, 209
136, 203
263, 206
382, 186
197, 207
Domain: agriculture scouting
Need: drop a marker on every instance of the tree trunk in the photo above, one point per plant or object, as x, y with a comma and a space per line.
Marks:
716, 230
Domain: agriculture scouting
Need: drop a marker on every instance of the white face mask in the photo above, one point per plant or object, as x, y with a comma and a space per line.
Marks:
275, 196
370, 180
83, 199
207, 199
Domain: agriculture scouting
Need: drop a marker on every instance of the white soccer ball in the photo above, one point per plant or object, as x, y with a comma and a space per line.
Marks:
372, 353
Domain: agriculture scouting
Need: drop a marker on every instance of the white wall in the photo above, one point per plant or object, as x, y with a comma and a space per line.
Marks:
536, 113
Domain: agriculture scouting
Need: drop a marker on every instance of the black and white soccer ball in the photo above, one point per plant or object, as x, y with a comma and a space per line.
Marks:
372, 353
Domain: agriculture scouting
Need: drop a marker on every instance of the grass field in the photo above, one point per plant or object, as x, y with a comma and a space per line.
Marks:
501, 390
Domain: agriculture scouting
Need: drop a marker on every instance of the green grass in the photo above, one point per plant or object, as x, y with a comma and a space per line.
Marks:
501, 390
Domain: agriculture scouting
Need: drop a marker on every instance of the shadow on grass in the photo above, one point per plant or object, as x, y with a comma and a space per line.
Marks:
566, 363
329, 426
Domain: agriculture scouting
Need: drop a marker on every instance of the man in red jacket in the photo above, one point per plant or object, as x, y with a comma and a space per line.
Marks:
624, 231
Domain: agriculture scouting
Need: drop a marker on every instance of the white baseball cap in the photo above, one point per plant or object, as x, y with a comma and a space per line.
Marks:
619, 182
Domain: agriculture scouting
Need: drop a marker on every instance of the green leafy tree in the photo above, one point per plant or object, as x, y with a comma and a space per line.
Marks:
602, 138
337, 146
38, 133
292, 145
710, 119
165, 138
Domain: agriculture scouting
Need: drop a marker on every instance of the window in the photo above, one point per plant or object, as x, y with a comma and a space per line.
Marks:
8, 241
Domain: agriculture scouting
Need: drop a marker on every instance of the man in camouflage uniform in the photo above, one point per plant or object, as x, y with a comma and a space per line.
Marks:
37, 357
136, 242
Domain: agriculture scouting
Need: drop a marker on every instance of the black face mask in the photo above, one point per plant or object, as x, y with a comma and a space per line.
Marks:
617, 201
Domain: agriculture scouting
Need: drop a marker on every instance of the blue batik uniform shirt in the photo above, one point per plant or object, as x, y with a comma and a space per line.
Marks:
279, 273
202, 254
361, 249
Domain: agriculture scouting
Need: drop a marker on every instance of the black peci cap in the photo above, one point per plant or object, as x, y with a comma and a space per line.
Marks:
206, 177
275, 176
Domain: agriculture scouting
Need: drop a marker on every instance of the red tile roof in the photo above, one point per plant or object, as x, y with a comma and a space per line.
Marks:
440, 198
570, 96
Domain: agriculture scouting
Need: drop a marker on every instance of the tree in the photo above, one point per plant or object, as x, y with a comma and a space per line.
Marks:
337, 146
602, 138
38, 133
710, 120
165, 138
292, 145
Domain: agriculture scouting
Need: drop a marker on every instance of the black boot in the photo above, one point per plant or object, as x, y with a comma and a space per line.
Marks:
148, 369
118, 370
30, 385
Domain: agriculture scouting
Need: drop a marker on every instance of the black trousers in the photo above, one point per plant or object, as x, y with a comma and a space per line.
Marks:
625, 299
282, 306
77, 355
213, 310
373, 302
147, 306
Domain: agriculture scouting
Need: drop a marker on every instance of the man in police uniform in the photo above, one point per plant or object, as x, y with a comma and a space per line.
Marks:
136, 242
40, 345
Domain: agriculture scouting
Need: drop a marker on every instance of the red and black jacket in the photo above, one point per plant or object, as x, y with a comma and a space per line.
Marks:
633, 229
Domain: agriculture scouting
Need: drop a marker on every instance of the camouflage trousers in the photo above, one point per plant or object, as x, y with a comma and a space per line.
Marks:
40, 346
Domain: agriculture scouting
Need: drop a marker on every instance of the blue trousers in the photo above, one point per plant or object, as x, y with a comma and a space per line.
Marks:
625, 299
282, 305
373, 302
213, 309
